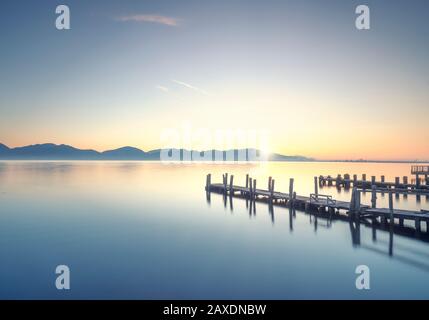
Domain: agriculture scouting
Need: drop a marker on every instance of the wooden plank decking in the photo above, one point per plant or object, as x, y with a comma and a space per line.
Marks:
315, 201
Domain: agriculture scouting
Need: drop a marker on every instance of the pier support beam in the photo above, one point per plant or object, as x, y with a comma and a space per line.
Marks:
373, 197
418, 224
208, 182
355, 203
347, 180
316, 187
391, 208
250, 188
396, 182
338, 181
291, 192
254, 188
272, 189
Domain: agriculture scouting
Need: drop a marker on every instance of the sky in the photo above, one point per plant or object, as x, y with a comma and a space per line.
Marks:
297, 73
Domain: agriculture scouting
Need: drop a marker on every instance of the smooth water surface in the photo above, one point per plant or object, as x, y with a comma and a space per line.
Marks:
144, 230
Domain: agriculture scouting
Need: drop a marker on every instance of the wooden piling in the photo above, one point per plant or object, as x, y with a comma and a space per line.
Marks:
316, 189
373, 196
208, 181
355, 203
354, 180
291, 191
417, 224
231, 184
383, 179
338, 180
391, 206
254, 188
347, 180
269, 183
372, 180
272, 189
405, 181
397, 182
250, 188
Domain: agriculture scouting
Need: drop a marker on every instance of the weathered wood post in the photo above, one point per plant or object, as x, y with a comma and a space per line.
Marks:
418, 224
417, 181
357, 202
364, 177
316, 187
372, 180
383, 179
225, 181
208, 182
391, 207
291, 191
397, 182
231, 184
347, 180
373, 196
254, 188
272, 189
269, 183
354, 203
247, 181
354, 180
405, 181
338, 180
250, 188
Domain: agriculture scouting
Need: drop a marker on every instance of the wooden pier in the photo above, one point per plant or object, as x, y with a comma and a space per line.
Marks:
354, 209
403, 186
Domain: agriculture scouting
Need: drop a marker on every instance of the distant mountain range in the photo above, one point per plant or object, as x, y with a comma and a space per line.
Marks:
50, 151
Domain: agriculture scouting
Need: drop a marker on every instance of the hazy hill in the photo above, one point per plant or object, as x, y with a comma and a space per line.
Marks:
50, 151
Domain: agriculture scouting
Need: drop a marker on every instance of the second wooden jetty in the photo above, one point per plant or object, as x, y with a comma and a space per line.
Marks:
316, 201
420, 185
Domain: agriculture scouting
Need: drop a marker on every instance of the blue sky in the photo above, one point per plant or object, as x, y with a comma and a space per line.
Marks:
129, 69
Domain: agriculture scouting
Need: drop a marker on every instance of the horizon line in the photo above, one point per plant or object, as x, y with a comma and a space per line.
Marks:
308, 158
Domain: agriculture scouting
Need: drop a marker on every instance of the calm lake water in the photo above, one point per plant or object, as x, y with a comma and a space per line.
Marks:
140, 230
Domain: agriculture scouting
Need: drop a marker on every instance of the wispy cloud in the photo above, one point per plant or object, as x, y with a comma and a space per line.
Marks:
189, 86
154, 18
162, 88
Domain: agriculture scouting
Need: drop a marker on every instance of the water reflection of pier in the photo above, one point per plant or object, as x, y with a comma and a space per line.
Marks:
326, 219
